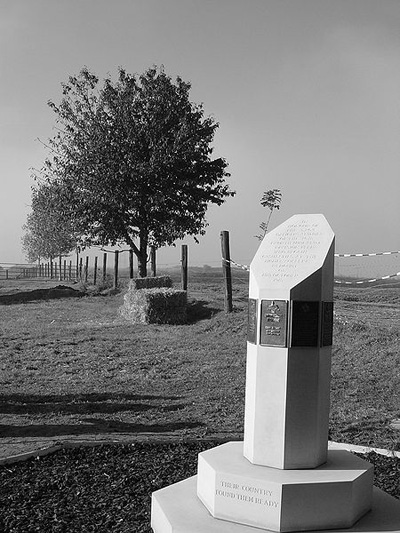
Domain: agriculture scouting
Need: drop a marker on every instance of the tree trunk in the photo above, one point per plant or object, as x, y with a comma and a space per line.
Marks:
142, 265
153, 261
142, 256
140, 252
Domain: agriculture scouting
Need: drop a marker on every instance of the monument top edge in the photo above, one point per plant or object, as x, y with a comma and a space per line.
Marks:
310, 216
293, 250
303, 220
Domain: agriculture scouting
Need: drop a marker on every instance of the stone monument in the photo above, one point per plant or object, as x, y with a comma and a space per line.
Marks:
282, 477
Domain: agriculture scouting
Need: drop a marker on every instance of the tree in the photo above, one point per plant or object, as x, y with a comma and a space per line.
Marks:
271, 199
133, 160
47, 232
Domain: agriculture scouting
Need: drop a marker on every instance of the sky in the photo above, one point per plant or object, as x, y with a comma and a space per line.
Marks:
306, 92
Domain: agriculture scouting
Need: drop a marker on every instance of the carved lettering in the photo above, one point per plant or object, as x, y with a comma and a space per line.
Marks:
247, 494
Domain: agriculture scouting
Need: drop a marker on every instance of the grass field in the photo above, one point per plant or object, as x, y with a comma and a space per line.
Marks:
73, 366
72, 369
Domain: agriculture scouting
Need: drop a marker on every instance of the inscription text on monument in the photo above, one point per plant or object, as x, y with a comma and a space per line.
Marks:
247, 493
290, 248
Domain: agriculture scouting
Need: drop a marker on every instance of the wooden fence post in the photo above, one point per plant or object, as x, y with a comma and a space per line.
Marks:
70, 271
226, 269
86, 268
80, 268
51, 269
116, 257
77, 266
130, 264
65, 269
104, 267
95, 271
184, 266
59, 268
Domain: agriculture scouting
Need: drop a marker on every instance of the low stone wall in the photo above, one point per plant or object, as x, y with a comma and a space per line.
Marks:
155, 306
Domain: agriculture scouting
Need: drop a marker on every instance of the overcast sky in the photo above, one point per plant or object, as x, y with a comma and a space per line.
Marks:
307, 94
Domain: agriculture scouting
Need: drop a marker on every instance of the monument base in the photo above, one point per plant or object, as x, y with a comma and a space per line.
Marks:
177, 509
332, 496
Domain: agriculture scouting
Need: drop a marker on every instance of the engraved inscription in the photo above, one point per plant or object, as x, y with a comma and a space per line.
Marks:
247, 493
327, 324
273, 323
252, 321
292, 247
305, 321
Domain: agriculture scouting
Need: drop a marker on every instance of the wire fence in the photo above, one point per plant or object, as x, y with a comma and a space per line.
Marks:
350, 269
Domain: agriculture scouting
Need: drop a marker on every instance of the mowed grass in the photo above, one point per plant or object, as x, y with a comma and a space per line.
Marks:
75, 367
365, 389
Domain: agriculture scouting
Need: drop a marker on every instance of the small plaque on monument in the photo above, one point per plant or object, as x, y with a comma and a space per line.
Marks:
305, 320
252, 321
327, 324
273, 323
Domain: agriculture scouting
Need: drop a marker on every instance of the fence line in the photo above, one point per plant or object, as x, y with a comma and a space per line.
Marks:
340, 281
81, 271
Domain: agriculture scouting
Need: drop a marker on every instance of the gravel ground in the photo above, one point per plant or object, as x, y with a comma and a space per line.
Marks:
108, 488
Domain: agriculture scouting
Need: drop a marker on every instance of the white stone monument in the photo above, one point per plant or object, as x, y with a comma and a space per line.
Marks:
289, 349
282, 477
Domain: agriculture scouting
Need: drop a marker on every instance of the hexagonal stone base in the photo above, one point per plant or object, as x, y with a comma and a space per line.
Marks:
334, 495
177, 509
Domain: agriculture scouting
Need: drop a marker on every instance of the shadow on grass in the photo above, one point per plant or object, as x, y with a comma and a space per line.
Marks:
73, 398
82, 409
61, 291
199, 310
88, 404
85, 403
93, 426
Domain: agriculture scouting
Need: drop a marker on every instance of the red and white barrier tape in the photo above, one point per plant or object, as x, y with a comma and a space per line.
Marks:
366, 280
245, 267
367, 255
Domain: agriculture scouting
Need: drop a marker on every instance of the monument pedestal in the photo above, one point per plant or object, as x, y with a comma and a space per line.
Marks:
334, 495
177, 509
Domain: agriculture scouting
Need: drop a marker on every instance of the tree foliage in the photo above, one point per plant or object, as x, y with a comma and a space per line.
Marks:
48, 233
133, 160
272, 200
